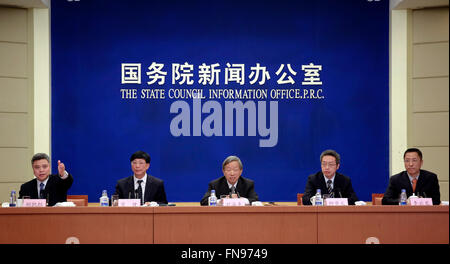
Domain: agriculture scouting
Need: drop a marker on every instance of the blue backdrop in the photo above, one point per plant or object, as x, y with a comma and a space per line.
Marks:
95, 128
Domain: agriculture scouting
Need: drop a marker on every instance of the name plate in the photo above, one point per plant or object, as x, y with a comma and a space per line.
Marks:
129, 202
233, 201
420, 201
34, 203
336, 201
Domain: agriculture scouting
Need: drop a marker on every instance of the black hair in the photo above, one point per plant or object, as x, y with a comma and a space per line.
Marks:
413, 150
140, 155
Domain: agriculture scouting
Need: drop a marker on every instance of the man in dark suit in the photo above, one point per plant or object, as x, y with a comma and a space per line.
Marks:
232, 182
329, 181
413, 180
141, 185
52, 187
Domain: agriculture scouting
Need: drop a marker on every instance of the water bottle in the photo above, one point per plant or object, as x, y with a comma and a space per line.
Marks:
212, 200
13, 199
318, 198
104, 200
403, 198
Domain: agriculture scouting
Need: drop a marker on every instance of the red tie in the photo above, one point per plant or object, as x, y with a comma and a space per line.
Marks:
414, 183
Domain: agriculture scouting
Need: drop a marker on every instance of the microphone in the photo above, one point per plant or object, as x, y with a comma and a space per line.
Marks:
339, 191
424, 195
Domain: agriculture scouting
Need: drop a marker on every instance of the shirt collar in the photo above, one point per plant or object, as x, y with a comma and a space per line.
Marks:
230, 185
44, 182
144, 179
411, 178
332, 178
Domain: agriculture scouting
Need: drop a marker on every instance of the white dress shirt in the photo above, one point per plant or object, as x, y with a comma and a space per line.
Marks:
136, 184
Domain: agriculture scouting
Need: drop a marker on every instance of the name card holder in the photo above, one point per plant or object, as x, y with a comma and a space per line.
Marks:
420, 201
336, 201
34, 203
233, 201
129, 202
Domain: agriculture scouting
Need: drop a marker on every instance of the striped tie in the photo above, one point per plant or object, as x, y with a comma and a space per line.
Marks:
330, 189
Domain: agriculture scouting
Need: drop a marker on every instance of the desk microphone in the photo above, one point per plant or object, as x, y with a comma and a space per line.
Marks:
339, 191
424, 195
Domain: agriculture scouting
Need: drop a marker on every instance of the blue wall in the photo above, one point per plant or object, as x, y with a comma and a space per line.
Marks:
95, 130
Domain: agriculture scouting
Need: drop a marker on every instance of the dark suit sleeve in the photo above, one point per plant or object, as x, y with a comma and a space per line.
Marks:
434, 189
310, 190
160, 196
204, 200
350, 193
391, 196
119, 191
66, 183
22, 192
252, 196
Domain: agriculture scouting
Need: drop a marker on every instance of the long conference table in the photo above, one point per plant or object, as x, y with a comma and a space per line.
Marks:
226, 225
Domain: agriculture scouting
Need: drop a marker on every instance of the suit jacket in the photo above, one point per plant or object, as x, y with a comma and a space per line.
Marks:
154, 189
427, 186
55, 189
245, 187
342, 186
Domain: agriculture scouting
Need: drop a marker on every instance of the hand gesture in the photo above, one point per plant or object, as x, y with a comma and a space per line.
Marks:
61, 168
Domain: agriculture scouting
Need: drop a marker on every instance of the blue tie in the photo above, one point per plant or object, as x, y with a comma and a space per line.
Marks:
41, 191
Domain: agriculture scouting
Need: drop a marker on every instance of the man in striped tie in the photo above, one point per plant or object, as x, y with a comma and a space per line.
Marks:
329, 181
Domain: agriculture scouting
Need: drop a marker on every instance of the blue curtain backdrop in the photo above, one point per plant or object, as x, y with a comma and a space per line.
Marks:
95, 129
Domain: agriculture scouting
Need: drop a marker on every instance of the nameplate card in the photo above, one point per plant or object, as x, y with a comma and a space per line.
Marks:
129, 202
34, 203
420, 201
336, 201
233, 201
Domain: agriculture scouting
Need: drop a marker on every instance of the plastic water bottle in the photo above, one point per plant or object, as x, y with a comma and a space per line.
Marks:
403, 198
104, 200
212, 200
318, 198
13, 199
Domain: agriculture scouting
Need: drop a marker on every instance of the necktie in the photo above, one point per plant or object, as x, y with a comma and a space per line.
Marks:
139, 191
414, 183
41, 190
330, 189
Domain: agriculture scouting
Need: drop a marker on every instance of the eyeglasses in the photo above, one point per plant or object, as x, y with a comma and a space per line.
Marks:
411, 160
38, 167
134, 162
232, 170
329, 165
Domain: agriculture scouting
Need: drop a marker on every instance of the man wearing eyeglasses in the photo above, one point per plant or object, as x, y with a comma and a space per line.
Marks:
232, 183
329, 181
414, 180
52, 187
141, 185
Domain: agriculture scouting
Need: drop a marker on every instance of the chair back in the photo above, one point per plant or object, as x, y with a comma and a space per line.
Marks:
78, 200
299, 199
377, 198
